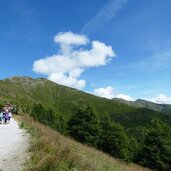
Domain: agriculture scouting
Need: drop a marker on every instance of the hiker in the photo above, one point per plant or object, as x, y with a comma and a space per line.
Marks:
1, 117
9, 116
6, 116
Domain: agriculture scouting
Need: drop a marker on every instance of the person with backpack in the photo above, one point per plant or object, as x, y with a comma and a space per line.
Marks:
9, 116
1, 117
6, 116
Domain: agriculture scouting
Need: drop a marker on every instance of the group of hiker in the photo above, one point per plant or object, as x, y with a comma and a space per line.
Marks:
5, 116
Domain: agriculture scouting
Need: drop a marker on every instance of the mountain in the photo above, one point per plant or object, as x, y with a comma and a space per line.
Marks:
122, 129
26, 91
163, 108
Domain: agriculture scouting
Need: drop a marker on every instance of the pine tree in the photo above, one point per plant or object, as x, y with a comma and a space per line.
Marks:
115, 140
156, 152
84, 126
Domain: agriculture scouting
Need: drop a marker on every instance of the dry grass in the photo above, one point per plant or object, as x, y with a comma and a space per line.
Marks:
51, 151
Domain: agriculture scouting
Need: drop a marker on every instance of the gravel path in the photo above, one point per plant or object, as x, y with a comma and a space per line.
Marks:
13, 147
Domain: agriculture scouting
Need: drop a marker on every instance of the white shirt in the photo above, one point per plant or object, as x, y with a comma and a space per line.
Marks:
10, 114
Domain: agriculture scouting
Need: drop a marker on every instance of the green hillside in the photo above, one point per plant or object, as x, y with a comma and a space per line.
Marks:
120, 129
26, 91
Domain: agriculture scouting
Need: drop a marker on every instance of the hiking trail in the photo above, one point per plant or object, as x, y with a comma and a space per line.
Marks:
14, 143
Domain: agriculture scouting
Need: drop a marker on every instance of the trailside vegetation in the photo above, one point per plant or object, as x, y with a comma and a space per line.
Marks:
51, 151
151, 147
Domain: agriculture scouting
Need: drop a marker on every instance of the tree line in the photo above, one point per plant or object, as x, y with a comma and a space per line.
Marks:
149, 145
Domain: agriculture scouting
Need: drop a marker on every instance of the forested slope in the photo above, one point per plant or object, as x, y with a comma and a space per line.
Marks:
122, 130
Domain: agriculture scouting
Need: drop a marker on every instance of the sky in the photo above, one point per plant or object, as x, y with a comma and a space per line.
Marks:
110, 48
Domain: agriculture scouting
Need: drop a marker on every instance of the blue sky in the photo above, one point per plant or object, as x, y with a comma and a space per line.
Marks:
139, 33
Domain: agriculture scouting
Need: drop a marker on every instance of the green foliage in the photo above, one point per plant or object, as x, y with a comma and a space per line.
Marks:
167, 110
38, 111
121, 130
15, 110
1, 106
30, 130
139, 117
84, 126
49, 117
115, 140
156, 151
133, 148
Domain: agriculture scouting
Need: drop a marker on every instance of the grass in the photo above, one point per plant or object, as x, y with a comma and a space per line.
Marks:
54, 152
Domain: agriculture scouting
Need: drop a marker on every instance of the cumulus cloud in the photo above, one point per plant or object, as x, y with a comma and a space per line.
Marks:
161, 99
125, 97
70, 38
70, 81
109, 92
71, 61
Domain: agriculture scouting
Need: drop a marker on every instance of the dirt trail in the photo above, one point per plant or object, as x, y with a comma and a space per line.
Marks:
14, 143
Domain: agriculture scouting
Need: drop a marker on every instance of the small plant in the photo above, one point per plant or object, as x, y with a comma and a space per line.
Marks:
30, 130
23, 125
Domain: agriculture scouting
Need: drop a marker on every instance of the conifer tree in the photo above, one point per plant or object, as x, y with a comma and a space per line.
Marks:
84, 126
156, 152
115, 140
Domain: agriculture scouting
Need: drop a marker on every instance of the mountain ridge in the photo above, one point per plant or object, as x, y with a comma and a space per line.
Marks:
27, 91
140, 103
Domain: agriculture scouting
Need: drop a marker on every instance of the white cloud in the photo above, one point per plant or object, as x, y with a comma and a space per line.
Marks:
125, 97
161, 99
107, 12
109, 92
67, 80
70, 38
70, 62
